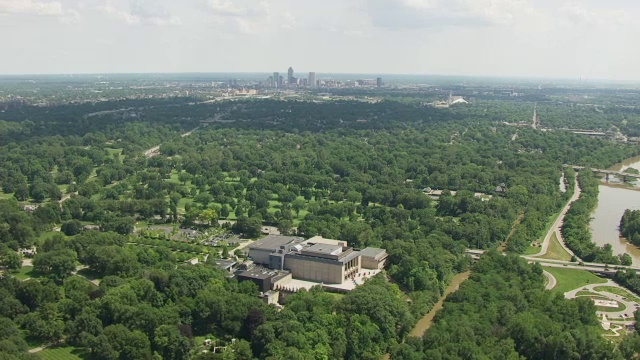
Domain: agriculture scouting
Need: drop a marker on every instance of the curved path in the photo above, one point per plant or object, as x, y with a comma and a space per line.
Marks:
557, 225
551, 280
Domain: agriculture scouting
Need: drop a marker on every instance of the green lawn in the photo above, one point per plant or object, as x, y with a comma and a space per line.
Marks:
47, 234
63, 353
116, 154
571, 279
6, 196
556, 251
26, 272
532, 250
174, 178
586, 293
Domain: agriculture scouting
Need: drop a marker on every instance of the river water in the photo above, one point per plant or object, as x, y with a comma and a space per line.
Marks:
613, 199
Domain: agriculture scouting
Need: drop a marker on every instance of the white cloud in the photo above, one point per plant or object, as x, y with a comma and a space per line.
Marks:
41, 8
250, 17
238, 7
577, 14
422, 14
141, 12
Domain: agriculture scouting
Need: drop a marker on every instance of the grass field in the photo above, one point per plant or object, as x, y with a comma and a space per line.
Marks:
63, 353
116, 154
5, 196
26, 272
619, 291
532, 250
556, 251
571, 279
47, 234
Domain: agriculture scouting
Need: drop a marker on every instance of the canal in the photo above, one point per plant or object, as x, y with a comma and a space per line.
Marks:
613, 199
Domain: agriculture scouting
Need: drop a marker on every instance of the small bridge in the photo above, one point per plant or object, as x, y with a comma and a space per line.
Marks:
606, 173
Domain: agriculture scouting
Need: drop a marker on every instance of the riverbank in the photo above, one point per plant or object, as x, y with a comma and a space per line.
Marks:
613, 199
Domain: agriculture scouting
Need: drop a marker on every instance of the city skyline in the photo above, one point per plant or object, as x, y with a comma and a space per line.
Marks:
502, 38
311, 81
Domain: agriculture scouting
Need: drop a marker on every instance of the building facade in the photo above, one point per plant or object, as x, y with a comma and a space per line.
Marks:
317, 259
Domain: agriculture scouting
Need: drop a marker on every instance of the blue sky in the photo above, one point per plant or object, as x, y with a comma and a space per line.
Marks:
537, 38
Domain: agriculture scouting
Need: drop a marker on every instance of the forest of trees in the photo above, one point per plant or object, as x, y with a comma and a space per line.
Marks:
503, 312
308, 169
630, 226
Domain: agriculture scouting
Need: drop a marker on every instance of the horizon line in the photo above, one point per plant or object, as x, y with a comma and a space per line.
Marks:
517, 77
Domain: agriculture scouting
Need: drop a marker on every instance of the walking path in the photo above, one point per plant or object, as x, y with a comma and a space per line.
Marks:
241, 246
552, 282
38, 349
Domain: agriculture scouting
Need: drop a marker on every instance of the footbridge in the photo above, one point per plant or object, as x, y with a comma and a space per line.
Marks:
606, 173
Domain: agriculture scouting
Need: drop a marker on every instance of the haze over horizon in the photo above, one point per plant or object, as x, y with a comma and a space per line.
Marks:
504, 38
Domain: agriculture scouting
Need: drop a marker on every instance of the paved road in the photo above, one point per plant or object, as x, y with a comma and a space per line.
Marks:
557, 224
240, 247
551, 283
593, 267
155, 151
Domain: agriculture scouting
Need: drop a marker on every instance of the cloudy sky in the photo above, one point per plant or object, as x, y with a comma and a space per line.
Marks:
532, 38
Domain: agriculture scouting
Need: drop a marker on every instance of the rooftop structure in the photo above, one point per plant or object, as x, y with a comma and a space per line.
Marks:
373, 258
321, 240
273, 242
265, 279
226, 265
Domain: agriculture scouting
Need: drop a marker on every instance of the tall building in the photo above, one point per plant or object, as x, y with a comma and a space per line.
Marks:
290, 75
312, 79
280, 81
276, 76
379, 82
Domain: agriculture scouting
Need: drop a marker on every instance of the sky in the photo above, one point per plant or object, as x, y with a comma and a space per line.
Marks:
568, 39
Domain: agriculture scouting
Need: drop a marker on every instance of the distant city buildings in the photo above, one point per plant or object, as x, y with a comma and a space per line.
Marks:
312, 81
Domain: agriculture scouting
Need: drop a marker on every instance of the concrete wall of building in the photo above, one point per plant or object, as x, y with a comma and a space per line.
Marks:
260, 256
314, 271
264, 285
304, 268
282, 281
373, 264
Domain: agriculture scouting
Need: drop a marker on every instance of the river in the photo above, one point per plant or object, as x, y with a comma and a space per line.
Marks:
613, 199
